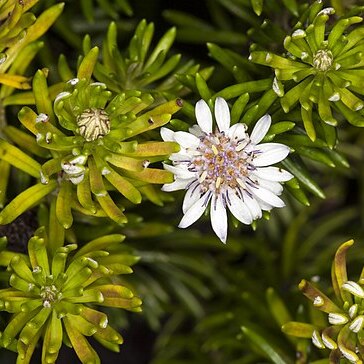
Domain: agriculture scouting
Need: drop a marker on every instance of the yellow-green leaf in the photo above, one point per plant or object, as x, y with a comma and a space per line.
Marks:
25, 200
19, 159
82, 347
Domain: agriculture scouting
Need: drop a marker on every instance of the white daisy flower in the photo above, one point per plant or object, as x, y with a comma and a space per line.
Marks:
225, 168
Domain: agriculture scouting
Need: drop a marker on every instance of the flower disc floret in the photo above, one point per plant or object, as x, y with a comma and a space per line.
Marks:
322, 60
226, 167
220, 164
49, 295
93, 123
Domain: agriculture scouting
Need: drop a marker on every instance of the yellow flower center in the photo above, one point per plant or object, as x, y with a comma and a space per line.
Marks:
93, 124
322, 60
222, 163
49, 295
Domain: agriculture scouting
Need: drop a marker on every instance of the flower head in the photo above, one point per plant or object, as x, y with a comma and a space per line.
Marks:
325, 64
226, 168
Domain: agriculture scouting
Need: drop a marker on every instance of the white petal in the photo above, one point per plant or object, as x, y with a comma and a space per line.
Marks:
194, 212
353, 288
180, 171
253, 206
196, 130
270, 153
328, 342
167, 134
79, 159
42, 118
222, 114
239, 209
337, 318
191, 196
263, 205
179, 157
267, 196
260, 129
73, 81
353, 310
273, 174
350, 355
357, 324
77, 180
237, 132
203, 116
218, 218
72, 169
178, 184
316, 340
186, 140
271, 186
62, 95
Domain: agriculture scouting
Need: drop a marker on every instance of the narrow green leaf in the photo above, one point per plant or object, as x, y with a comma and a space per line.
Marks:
28, 117
152, 175
4, 180
64, 69
63, 205
82, 347
339, 273
25, 200
19, 159
316, 155
84, 193
244, 87
202, 87
87, 65
319, 299
111, 209
257, 6
122, 185
41, 95
238, 107
298, 329
265, 346
25, 141
101, 243
302, 175
298, 194
277, 307
164, 45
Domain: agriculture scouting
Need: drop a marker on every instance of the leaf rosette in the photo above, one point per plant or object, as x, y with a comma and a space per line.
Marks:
325, 65
92, 142
55, 297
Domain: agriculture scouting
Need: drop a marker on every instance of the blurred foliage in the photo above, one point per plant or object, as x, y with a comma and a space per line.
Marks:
243, 325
